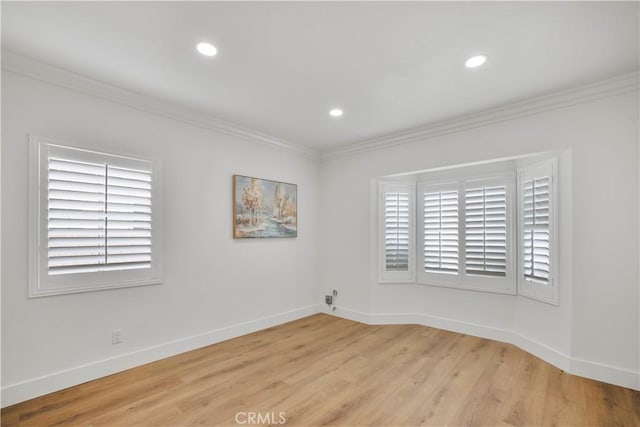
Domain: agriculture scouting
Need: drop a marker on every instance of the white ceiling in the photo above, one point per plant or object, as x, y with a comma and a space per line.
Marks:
282, 66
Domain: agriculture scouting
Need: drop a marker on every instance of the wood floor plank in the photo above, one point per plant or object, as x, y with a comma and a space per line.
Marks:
402, 403
491, 390
323, 370
456, 385
525, 404
565, 402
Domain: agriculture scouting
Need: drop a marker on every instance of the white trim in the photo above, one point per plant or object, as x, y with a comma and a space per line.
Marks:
1, 233
18, 392
540, 350
606, 373
548, 292
461, 279
40, 284
29, 67
548, 354
349, 314
506, 284
444, 323
584, 368
408, 276
561, 99
446, 279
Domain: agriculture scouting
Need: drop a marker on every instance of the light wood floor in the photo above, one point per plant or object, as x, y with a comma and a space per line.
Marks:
323, 370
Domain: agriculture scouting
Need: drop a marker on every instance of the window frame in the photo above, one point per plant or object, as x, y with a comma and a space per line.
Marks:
43, 284
429, 277
477, 282
462, 280
544, 292
396, 277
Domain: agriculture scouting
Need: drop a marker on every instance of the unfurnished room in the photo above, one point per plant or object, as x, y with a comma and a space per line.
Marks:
320, 213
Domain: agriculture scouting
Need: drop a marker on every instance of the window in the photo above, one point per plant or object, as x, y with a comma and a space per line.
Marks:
466, 234
94, 225
439, 236
396, 247
486, 230
397, 232
474, 229
538, 232
440, 218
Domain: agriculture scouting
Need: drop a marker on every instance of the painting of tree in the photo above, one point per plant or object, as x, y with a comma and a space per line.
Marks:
264, 208
253, 199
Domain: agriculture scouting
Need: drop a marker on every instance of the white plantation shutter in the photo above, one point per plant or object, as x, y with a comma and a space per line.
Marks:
466, 236
466, 240
99, 217
440, 226
128, 218
94, 224
486, 230
538, 231
396, 231
76, 216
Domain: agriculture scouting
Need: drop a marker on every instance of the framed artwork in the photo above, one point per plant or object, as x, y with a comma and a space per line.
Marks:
264, 208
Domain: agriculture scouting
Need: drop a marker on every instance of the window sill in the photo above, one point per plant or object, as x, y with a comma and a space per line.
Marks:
553, 300
494, 290
396, 282
37, 293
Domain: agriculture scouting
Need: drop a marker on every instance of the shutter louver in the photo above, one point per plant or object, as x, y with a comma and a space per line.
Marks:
76, 216
536, 229
128, 218
99, 217
441, 231
486, 231
396, 231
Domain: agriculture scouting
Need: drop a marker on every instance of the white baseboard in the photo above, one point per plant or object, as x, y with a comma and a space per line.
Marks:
606, 373
355, 315
499, 334
441, 323
551, 355
583, 368
18, 392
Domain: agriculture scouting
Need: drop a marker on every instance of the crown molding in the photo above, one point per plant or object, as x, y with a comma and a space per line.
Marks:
32, 68
29, 67
561, 99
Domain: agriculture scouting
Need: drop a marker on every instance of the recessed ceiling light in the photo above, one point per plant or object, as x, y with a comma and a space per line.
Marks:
207, 49
336, 112
475, 61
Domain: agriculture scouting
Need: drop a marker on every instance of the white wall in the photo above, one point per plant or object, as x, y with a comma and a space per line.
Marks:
595, 329
210, 280
215, 287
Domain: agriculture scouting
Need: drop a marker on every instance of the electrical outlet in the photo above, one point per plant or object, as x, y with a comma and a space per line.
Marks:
116, 336
335, 292
328, 299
